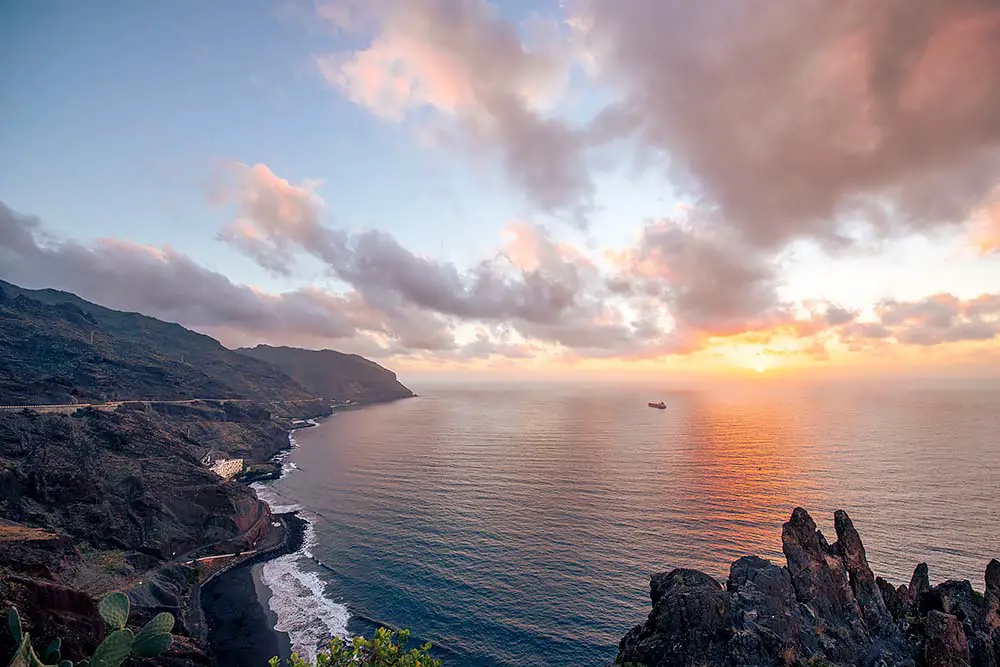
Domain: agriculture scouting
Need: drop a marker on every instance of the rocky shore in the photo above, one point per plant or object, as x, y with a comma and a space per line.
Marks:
824, 608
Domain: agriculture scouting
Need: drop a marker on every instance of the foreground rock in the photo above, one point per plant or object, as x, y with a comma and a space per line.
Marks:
824, 608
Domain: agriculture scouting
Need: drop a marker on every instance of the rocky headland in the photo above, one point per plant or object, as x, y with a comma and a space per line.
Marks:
334, 375
823, 608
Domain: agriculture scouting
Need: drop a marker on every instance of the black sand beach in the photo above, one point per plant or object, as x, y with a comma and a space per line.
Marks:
240, 624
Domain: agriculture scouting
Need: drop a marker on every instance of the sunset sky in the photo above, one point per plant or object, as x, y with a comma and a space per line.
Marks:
525, 187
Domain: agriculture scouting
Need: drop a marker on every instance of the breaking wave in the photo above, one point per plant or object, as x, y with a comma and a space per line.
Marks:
299, 601
298, 595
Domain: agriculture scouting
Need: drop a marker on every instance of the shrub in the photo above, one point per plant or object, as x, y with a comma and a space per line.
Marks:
386, 648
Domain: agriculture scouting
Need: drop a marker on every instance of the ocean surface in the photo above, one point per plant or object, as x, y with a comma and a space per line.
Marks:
518, 525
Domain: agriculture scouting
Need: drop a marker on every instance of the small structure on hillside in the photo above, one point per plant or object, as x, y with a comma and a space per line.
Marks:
226, 468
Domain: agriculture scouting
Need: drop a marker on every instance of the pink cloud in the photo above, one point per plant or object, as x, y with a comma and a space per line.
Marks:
462, 60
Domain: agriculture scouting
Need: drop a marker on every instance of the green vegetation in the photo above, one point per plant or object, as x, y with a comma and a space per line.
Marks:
120, 644
385, 649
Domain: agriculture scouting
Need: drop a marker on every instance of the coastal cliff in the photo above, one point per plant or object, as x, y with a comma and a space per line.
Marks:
59, 348
120, 494
824, 608
334, 375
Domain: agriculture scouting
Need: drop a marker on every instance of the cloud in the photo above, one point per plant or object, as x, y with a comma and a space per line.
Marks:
836, 315
169, 285
710, 280
283, 219
942, 318
818, 122
463, 61
986, 226
275, 219
803, 120
163, 283
546, 290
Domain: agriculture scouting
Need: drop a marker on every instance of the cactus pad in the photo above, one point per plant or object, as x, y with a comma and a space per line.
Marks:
114, 610
113, 650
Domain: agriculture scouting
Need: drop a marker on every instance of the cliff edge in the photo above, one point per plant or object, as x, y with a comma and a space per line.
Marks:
333, 375
825, 608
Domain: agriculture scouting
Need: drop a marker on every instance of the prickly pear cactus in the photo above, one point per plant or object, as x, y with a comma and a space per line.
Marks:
114, 610
52, 652
113, 651
154, 638
14, 625
118, 646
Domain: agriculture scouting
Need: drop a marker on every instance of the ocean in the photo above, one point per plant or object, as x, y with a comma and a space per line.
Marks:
518, 525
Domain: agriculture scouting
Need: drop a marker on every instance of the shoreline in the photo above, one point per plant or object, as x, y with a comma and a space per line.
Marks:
235, 605
241, 626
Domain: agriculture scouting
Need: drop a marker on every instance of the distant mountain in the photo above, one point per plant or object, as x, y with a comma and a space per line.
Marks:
333, 375
58, 348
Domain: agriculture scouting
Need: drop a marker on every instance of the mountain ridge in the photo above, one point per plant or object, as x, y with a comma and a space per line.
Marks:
333, 375
56, 347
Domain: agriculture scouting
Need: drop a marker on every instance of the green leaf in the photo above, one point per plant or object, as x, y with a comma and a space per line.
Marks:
114, 610
162, 623
52, 654
21, 658
154, 638
152, 645
113, 650
14, 625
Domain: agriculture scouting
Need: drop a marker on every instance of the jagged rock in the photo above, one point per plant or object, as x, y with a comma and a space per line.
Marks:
946, 643
762, 611
920, 583
689, 610
825, 608
895, 598
993, 584
817, 573
860, 576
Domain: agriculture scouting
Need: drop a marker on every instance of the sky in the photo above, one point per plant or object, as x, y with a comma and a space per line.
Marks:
519, 188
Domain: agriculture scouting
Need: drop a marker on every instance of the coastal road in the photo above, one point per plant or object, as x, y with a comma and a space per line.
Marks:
111, 405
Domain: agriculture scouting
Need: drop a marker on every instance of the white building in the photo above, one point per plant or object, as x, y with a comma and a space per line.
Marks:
226, 468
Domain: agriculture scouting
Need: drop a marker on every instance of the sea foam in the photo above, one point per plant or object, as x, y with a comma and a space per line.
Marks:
277, 503
298, 600
298, 596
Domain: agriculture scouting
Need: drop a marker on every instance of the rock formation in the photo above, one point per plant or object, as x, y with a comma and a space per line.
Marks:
824, 608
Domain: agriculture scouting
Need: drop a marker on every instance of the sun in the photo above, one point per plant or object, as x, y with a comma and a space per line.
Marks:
760, 367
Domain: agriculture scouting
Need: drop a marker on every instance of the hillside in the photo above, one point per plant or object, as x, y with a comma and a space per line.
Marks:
105, 500
333, 375
57, 348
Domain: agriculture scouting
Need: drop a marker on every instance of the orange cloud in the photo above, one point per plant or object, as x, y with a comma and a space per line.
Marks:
986, 228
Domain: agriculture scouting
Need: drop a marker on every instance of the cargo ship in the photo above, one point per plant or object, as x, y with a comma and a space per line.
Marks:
659, 406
